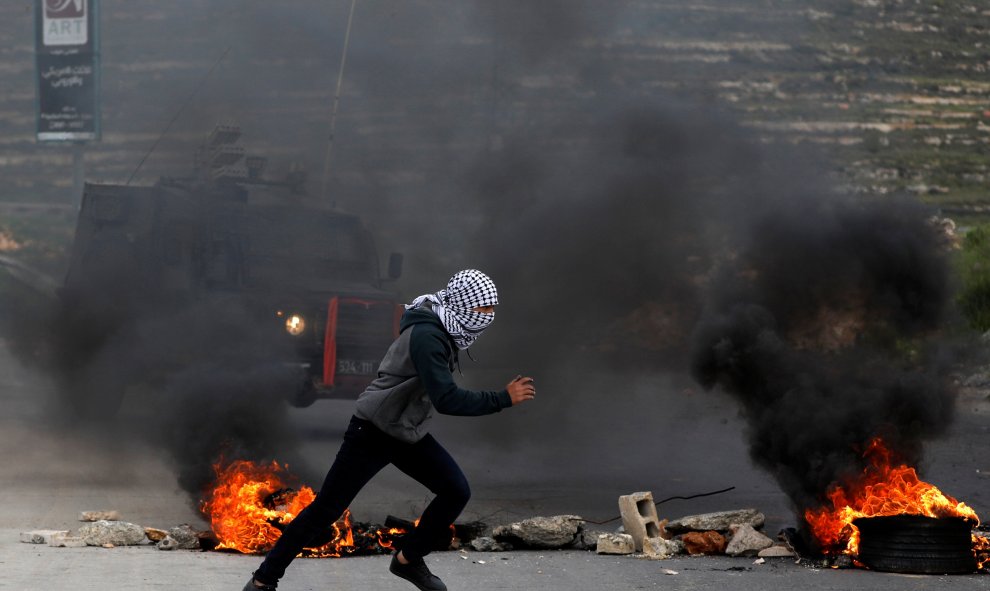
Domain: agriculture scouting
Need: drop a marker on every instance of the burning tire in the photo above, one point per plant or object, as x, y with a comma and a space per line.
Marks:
916, 544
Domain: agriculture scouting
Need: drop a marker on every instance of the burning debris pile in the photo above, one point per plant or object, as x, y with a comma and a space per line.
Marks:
825, 331
885, 489
251, 503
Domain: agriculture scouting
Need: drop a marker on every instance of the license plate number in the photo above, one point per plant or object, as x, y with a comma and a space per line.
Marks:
355, 367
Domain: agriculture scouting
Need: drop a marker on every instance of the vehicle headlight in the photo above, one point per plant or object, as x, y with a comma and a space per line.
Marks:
295, 324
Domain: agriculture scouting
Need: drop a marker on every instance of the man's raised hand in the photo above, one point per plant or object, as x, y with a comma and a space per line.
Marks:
521, 389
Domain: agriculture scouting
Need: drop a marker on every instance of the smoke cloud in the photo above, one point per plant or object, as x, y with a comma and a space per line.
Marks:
630, 232
821, 324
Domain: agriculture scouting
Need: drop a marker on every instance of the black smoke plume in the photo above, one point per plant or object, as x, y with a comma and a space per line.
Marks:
204, 368
821, 325
597, 204
600, 231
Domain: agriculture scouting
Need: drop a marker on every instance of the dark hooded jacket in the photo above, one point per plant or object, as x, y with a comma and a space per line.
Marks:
416, 376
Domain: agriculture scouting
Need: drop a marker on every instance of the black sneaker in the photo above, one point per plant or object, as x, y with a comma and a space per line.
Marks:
416, 573
251, 586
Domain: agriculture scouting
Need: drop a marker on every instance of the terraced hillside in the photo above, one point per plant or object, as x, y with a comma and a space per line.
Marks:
893, 95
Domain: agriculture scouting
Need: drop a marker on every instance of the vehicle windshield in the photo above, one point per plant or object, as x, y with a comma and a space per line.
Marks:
306, 249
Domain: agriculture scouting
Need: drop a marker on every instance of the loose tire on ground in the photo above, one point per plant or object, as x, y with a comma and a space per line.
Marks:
916, 544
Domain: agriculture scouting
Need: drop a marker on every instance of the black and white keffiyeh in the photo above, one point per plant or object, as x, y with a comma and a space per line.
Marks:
466, 290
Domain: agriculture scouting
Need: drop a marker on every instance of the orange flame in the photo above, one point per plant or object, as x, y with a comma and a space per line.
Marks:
385, 537
241, 521
981, 547
882, 489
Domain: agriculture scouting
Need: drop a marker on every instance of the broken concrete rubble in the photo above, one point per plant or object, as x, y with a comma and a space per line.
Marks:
615, 544
117, 533
99, 516
154, 534
659, 548
67, 541
489, 544
167, 543
709, 542
185, 537
776, 551
586, 540
555, 532
541, 532
746, 541
41, 536
720, 521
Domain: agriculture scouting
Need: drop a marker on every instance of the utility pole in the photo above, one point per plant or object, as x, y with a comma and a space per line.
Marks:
336, 101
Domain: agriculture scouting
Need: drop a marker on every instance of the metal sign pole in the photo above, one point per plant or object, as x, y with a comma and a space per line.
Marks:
78, 173
67, 64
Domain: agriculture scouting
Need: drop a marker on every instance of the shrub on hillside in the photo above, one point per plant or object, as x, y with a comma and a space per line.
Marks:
974, 275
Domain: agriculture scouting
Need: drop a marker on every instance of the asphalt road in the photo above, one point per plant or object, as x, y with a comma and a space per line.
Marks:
672, 441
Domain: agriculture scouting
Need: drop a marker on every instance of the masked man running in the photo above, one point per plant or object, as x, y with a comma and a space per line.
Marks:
390, 426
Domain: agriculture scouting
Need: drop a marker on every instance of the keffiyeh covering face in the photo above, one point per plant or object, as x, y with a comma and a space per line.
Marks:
455, 305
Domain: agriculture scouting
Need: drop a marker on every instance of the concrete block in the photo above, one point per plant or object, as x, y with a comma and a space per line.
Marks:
639, 518
40, 536
615, 544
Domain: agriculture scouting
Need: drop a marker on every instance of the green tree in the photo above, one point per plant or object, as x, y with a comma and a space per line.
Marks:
974, 274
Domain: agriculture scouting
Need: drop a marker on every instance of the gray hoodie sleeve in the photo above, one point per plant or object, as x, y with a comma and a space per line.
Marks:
430, 351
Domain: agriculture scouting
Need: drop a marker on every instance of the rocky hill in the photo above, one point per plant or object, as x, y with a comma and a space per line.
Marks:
891, 95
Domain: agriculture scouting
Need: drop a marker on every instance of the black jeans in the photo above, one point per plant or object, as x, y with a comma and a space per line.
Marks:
365, 451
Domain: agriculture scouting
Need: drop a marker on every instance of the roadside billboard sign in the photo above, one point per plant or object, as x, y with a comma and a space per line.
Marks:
67, 54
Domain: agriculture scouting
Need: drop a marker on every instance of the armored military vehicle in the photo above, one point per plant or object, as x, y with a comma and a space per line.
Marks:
225, 271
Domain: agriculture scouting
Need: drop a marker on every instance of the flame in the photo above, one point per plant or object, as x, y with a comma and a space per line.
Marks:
981, 547
385, 537
250, 504
241, 514
883, 489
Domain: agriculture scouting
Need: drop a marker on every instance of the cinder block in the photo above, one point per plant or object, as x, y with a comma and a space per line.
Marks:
40, 536
639, 518
615, 544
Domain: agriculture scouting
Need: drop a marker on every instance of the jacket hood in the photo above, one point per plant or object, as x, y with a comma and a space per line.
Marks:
419, 315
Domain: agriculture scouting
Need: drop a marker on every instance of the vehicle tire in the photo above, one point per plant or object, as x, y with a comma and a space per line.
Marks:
304, 397
916, 544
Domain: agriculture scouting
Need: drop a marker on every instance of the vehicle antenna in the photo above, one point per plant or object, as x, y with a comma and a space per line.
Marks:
177, 113
336, 100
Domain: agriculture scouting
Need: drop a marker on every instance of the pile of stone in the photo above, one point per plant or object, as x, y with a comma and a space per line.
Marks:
105, 529
538, 533
733, 533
